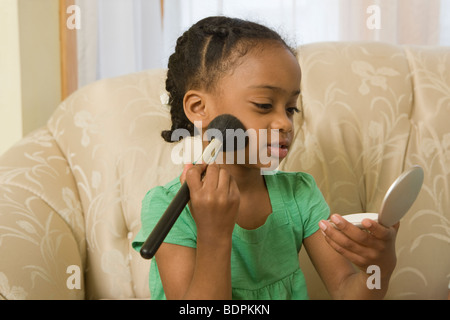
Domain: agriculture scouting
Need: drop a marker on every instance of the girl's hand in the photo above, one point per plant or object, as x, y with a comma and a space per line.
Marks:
214, 201
362, 248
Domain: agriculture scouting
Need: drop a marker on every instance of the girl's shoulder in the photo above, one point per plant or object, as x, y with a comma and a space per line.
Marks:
302, 200
299, 187
164, 191
292, 180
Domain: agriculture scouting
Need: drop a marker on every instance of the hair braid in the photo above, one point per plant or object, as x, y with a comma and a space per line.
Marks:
202, 54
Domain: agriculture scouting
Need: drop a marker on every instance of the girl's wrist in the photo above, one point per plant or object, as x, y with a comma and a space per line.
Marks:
215, 239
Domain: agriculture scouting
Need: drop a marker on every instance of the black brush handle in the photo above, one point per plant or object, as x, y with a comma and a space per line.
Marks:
165, 223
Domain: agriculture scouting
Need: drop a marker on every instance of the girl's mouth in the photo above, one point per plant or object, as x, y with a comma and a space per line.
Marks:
279, 151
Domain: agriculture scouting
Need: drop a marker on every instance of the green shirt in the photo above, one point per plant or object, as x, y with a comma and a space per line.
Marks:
264, 261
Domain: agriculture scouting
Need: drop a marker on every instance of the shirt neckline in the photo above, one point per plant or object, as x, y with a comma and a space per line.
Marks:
277, 218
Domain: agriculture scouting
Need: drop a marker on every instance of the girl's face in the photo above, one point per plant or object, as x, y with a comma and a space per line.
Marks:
262, 92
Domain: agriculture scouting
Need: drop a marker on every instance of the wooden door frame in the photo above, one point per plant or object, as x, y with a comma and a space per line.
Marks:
69, 55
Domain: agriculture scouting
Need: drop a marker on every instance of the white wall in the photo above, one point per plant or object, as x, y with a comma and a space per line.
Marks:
10, 91
30, 66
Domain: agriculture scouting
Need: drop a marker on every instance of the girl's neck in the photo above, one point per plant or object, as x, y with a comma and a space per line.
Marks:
248, 179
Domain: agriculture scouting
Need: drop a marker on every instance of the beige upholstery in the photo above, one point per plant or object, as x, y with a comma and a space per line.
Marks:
70, 193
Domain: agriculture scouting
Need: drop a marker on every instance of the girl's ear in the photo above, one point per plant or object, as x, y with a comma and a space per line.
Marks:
195, 107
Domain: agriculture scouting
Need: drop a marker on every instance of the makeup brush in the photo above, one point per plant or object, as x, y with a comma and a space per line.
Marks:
223, 133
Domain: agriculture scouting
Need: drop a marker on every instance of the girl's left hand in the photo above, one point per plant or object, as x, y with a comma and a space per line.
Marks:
373, 246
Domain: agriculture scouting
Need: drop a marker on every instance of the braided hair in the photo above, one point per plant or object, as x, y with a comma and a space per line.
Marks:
205, 52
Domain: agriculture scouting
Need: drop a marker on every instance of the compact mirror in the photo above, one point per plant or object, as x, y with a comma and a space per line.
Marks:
397, 201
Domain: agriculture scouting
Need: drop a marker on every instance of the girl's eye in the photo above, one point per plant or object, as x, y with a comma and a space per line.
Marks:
292, 110
264, 106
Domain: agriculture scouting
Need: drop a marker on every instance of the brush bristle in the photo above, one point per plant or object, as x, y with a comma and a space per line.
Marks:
229, 130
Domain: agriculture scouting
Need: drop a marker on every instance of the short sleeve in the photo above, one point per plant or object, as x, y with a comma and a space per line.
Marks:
154, 205
315, 208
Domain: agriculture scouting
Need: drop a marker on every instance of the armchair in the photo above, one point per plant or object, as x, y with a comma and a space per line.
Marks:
70, 192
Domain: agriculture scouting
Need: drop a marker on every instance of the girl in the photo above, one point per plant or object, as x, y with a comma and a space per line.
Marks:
240, 236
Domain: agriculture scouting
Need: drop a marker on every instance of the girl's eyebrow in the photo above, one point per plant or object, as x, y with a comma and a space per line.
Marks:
273, 88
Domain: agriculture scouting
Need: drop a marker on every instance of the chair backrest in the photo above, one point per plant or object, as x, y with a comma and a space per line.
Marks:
372, 110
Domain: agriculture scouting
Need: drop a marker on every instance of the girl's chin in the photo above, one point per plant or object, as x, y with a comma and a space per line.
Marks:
268, 158
271, 166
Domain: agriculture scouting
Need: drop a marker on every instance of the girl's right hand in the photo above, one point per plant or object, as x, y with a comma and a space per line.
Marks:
214, 201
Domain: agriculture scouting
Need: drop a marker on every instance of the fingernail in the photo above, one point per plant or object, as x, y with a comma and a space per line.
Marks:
367, 223
322, 225
336, 219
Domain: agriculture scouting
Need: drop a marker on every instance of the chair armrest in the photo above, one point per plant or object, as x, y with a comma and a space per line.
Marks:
42, 238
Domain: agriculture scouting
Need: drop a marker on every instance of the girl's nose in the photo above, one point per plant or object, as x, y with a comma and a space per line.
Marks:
282, 122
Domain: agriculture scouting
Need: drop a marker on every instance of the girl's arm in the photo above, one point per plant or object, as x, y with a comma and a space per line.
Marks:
333, 250
204, 272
